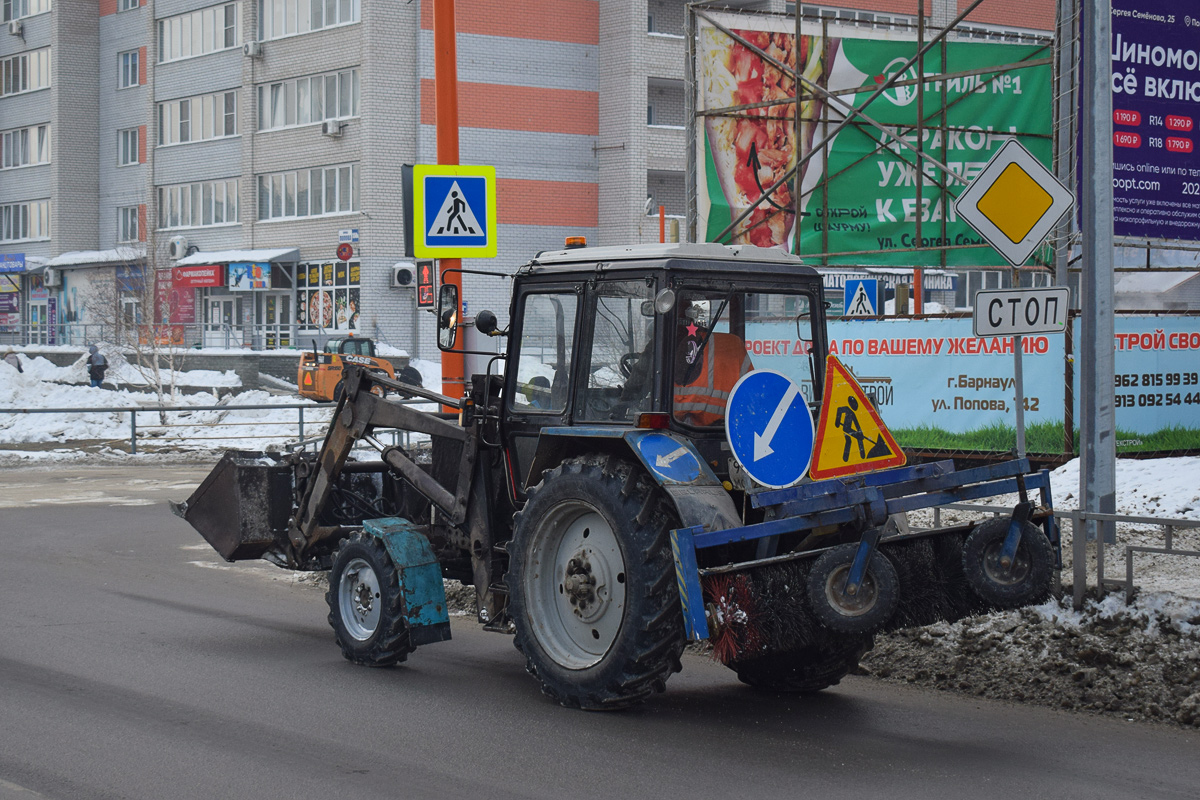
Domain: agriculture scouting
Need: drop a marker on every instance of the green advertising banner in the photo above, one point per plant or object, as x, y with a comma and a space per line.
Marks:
862, 200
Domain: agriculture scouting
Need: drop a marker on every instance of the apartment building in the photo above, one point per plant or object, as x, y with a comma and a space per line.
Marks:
185, 136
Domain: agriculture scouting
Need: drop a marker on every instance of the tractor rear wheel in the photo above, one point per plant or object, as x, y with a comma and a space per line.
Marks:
807, 670
1025, 582
366, 607
591, 581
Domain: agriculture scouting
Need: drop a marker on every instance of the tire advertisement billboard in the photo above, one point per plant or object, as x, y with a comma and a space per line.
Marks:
865, 199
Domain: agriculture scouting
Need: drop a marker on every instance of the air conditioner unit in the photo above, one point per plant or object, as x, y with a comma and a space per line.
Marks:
402, 275
252, 50
332, 128
178, 247
16, 27
51, 277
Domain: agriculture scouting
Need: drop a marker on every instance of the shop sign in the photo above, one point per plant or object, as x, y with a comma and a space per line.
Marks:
52, 320
12, 262
197, 277
249, 276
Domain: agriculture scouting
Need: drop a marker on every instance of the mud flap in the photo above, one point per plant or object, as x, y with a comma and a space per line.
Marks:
420, 578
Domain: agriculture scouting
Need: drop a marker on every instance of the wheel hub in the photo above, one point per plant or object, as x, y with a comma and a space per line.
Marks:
851, 605
1005, 574
358, 599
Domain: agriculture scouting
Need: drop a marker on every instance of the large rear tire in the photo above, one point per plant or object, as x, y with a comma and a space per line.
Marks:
592, 590
366, 608
804, 671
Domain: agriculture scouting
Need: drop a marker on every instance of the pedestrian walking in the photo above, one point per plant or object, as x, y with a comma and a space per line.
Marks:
97, 365
12, 358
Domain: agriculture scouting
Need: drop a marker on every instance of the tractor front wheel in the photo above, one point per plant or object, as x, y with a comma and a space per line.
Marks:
366, 608
592, 585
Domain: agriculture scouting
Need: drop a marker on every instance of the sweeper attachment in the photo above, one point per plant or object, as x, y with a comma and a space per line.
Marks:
595, 496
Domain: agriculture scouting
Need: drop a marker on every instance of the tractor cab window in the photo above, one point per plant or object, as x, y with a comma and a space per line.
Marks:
544, 352
357, 347
722, 335
619, 379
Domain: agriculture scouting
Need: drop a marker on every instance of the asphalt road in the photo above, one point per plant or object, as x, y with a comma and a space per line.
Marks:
136, 664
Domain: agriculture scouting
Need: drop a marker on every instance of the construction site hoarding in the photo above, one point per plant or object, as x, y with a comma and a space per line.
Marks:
863, 198
1156, 106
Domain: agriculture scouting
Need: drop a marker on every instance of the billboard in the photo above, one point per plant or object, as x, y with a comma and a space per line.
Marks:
1156, 103
862, 198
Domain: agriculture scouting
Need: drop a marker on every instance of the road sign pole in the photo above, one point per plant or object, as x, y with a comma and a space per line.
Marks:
445, 62
1019, 385
1098, 455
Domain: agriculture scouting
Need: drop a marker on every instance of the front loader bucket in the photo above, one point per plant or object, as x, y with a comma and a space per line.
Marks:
242, 508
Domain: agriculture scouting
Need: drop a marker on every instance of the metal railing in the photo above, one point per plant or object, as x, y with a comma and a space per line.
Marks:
1079, 543
398, 436
183, 336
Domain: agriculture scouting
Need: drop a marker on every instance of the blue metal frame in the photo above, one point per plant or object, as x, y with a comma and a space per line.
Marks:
865, 501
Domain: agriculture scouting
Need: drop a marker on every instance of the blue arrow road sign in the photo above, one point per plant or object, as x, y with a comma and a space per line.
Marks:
770, 428
669, 458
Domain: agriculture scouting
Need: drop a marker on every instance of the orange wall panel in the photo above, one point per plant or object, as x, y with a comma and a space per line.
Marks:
565, 203
519, 108
108, 7
576, 21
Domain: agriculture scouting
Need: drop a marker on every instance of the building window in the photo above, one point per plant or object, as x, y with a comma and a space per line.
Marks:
25, 221
129, 69
205, 31
25, 147
278, 18
129, 5
304, 101
327, 295
194, 119
308, 192
16, 9
193, 205
127, 224
127, 147
25, 72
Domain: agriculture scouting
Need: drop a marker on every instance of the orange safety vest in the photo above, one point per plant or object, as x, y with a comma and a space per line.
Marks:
703, 401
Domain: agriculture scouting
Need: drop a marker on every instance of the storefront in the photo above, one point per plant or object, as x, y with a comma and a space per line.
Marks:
246, 297
328, 296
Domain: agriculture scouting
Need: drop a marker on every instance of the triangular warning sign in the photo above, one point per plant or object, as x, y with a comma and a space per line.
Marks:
851, 438
455, 217
862, 304
308, 379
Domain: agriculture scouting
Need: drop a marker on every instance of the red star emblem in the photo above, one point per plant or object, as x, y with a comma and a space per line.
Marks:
691, 329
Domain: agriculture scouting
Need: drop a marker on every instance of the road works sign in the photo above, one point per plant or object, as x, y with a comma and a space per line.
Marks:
769, 428
455, 211
1014, 203
1017, 312
851, 438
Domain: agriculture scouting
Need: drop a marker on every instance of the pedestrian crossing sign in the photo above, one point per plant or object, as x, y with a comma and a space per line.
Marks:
851, 437
455, 211
862, 298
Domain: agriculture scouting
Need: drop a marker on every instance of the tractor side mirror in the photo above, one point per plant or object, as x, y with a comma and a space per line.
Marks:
447, 314
485, 322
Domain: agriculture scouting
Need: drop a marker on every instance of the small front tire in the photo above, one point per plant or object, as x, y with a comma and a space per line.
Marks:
1026, 581
807, 670
366, 607
864, 612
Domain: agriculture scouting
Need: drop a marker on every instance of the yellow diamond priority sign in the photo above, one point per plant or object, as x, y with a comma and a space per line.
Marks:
1014, 203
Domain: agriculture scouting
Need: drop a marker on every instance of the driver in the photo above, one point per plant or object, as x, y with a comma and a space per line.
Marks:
706, 368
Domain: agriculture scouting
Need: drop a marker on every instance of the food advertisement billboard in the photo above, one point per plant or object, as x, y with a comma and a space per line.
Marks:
863, 198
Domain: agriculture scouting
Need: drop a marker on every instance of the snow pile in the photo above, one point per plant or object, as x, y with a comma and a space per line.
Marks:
1140, 661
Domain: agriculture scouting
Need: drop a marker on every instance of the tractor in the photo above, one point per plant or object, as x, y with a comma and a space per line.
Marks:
586, 486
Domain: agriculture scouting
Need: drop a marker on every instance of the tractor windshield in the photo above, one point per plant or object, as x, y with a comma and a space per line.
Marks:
722, 335
620, 374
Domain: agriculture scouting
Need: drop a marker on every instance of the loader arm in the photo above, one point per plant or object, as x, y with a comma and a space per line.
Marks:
357, 415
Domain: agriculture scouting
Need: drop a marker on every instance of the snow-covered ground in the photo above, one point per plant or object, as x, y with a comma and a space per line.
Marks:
45, 385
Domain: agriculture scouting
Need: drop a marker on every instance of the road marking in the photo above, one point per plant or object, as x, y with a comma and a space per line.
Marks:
20, 791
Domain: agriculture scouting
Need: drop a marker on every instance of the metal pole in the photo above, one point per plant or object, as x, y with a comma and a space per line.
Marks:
1066, 32
133, 433
445, 87
798, 133
689, 110
301, 423
1019, 382
1097, 475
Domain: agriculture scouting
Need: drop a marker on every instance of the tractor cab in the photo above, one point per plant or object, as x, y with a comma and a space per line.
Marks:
351, 345
649, 336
